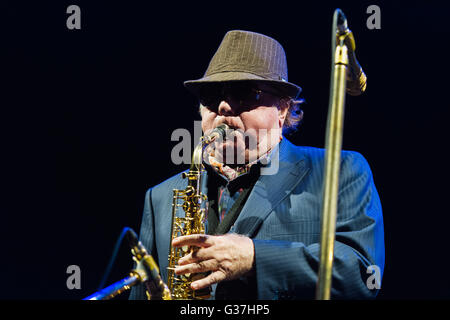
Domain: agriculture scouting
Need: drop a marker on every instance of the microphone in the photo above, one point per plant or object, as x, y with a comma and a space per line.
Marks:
146, 271
156, 287
356, 78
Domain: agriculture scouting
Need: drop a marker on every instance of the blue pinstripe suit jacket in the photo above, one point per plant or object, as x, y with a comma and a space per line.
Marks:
282, 215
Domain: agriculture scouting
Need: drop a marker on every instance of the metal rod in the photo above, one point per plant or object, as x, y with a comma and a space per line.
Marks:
333, 145
115, 289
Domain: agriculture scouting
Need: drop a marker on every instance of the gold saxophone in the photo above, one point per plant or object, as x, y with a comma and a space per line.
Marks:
192, 201
193, 222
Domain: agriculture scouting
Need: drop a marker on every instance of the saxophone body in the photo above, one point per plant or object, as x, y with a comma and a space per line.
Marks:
191, 220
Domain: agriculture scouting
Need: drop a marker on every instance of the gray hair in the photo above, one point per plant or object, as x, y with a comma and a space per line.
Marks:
294, 114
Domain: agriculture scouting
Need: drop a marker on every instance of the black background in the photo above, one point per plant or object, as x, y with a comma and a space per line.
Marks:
87, 117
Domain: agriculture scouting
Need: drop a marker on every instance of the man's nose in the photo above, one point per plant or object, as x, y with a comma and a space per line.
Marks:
225, 109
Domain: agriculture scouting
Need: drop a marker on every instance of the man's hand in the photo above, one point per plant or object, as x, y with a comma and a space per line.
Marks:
228, 257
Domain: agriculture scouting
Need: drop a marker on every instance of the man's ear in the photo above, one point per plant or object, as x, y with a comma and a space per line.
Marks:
282, 112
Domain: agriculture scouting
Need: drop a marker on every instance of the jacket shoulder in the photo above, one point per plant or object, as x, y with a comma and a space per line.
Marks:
352, 161
164, 188
315, 153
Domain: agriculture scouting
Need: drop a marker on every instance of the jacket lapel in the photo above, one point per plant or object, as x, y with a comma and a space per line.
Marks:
271, 189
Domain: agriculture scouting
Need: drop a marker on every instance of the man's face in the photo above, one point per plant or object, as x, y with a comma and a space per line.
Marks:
252, 112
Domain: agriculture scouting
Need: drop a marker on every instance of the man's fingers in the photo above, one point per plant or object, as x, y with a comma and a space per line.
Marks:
197, 255
198, 240
203, 266
214, 277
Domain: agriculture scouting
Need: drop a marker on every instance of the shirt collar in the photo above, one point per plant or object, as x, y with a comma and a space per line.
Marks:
229, 174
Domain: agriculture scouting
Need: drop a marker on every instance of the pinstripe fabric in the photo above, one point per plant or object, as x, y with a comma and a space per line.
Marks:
282, 216
237, 53
245, 55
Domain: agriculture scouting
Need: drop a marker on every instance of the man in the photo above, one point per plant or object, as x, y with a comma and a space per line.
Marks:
264, 226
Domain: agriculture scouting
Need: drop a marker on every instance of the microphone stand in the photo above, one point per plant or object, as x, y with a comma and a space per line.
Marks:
146, 271
333, 146
118, 287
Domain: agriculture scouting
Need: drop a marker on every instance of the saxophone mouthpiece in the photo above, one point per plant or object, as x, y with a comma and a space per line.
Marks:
222, 130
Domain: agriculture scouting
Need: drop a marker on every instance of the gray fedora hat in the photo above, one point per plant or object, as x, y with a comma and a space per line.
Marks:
243, 56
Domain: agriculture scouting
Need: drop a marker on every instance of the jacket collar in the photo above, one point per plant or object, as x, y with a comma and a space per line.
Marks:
287, 168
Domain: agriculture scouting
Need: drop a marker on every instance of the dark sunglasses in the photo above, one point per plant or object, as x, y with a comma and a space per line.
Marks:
243, 94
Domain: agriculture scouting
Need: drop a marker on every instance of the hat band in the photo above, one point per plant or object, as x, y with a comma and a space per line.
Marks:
267, 76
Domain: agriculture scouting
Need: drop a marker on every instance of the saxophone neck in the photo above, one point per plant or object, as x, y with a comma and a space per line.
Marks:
197, 157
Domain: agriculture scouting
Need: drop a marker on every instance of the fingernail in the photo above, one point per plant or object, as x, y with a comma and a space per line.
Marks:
194, 286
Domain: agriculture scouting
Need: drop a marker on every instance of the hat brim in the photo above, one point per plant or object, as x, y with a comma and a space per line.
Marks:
286, 88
